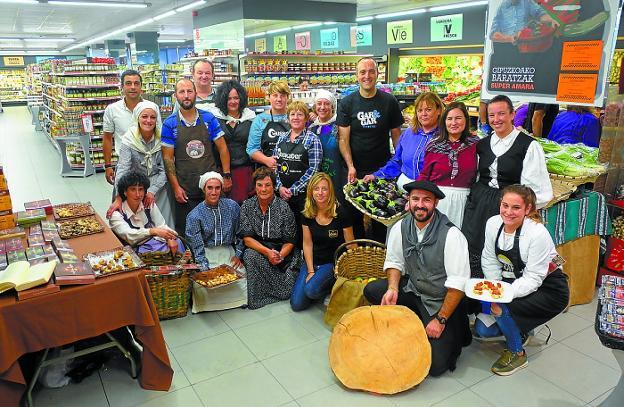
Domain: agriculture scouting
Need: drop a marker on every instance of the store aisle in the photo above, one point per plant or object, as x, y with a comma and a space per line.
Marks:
275, 357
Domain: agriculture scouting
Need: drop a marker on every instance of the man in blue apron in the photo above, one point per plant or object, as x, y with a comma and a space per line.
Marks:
187, 139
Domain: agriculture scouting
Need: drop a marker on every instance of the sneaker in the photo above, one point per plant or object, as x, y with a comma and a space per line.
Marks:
499, 338
509, 362
526, 338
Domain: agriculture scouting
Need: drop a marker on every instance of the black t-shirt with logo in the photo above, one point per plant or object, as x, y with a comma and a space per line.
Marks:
370, 119
326, 239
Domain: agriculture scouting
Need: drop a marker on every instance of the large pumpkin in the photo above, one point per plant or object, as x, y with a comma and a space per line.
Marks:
382, 349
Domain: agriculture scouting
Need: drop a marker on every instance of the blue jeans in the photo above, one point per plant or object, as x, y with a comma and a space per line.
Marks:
317, 288
506, 326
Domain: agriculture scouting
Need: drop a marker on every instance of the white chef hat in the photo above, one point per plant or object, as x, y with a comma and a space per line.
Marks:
327, 95
208, 176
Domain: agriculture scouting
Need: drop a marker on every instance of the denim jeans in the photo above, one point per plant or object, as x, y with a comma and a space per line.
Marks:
506, 326
317, 288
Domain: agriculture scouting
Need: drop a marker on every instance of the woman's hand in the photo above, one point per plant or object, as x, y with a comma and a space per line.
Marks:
173, 245
390, 297
164, 233
115, 206
149, 200
271, 162
285, 193
369, 177
309, 276
236, 262
496, 310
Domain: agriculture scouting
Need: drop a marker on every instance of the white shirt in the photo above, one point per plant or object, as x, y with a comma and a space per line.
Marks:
534, 172
138, 219
456, 261
536, 251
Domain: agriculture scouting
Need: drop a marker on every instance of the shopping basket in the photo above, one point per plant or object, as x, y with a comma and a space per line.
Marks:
385, 221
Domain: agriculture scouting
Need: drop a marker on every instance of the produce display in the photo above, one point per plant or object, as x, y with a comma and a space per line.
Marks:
12, 84
73, 210
71, 228
470, 96
217, 277
380, 198
572, 160
459, 72
113, 261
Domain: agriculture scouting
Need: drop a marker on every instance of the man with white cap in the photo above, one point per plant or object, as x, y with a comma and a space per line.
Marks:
211, 229
324, 126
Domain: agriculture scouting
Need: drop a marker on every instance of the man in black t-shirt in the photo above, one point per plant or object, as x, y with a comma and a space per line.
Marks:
364, 119
540, 118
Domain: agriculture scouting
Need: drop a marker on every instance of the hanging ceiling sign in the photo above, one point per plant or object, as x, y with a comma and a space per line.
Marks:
13, 61
399, 32
302, 41
329, 38
260, 45
362, 35
447, 28
279, 43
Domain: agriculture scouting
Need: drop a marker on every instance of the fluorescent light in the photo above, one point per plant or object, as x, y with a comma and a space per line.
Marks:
190, 5
117, 4
20, 1
170, 41
164, 15
281, 30
255, 35
401, 13
458, 5
367, 18
329, 23
49, 39
298, 27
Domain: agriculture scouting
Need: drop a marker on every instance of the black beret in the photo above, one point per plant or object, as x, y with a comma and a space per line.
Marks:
425, 186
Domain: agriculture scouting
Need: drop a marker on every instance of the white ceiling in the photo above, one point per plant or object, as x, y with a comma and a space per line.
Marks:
82, 23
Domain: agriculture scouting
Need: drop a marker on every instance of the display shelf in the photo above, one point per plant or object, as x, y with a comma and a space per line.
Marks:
84, 73
12, 85
270, 55
93, 99
296, 72
104, 86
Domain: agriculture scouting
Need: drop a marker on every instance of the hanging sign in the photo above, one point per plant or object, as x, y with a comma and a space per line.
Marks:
362, 35
13, 61
279, 43
399, 32
329, 38
302, 41
447, 28
552, 51
260, 45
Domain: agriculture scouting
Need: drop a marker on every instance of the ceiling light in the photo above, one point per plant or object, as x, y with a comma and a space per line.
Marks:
367, 18
117, 4
311, 25
49, 39
170, 41
255, 35
401, 13
20, 1
190, 5
329, 22
281, 30
458, 5
164, 15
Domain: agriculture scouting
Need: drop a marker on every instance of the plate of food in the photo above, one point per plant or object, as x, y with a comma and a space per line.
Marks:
217, 277
73, 210
114, 261
71, 228
489, 290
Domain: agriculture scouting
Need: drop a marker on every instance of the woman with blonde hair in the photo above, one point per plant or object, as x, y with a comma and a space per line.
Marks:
409, 155
325, 226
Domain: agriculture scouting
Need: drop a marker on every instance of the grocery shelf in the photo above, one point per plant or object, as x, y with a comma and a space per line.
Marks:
209, 57
100, 86
85, 73
93, 111
296, 73
51, 98
305, 55
93, 99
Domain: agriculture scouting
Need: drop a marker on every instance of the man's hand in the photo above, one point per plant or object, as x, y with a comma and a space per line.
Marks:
369, 177
180, 195
390, 297
285, 193
351, 175
149, 200
110, 176
165, 233
434, 329
115, 206
227, 184
236, 262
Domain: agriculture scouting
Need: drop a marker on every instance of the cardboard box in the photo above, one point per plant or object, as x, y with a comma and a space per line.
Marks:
3, 183
7, 220
5, 201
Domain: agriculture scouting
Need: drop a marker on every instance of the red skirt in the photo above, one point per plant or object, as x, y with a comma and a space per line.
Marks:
242, 184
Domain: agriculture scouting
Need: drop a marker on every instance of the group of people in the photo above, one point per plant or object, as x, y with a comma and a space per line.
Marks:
264, 195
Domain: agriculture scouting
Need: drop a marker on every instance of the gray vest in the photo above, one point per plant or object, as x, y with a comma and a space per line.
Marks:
424, 261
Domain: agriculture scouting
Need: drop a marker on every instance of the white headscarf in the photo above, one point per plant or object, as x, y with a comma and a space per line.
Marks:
329, 96
208, 176
133, 139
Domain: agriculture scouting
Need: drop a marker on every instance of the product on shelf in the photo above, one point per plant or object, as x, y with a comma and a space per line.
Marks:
12, 85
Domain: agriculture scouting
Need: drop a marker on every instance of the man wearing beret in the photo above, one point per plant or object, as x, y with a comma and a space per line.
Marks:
427, 267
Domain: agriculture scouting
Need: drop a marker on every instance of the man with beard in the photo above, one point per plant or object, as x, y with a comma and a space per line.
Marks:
187, 139
427, 267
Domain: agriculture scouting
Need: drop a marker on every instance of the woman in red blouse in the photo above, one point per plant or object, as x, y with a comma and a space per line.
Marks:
451, 161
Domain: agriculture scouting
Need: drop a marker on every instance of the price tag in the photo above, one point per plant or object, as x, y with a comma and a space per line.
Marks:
87, 123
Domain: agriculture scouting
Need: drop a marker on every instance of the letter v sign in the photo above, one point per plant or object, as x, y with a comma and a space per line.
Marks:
447, 28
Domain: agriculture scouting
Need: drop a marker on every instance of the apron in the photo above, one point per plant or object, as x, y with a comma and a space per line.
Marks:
153, 244
193, 157
270, 135
539, 307
292, 162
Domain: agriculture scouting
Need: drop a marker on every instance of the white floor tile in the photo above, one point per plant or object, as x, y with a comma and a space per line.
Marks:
193, 327
312, 320
567, 324
87, 393
335, 395
587, 342
238, 317
474, 363
251, 385
465, 398
432, 390
597, 401
180, 398
586, 311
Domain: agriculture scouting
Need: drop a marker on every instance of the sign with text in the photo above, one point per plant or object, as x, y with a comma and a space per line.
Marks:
362, 35
87, 123
550, 51
447, 28
302, 41
260, 45
13, 61
279, 43
329, 38
399, 32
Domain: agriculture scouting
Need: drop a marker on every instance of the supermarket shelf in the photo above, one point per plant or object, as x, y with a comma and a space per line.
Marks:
52, 110
101, 86
86, 73
94, 99
296, 73
93, 111
186, 59
305, 55
14, 102
51, 97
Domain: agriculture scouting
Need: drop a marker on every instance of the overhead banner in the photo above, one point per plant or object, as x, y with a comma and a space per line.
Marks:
260, 45
399, 32
550, 51
302, 41
329, 38
447, 28
362, 35
13, 61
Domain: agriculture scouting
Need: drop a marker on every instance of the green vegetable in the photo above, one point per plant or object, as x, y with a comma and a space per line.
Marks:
586, 26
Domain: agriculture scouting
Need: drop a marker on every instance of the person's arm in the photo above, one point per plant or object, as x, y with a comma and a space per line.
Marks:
193, 233
392, 169
121, 228
239, 245
289, 232
253, 244
108, 128
170, 169
124, 163
591, 132
537, 122
427, 168
254, 147
491, 267
396, 120
315, 156
394, 264
159, 175
541, 251
349, 236
224, 155
344, 144
395, 134
308, 248
535, 174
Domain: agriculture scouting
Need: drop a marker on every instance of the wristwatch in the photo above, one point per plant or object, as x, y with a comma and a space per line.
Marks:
440, 319
227, 175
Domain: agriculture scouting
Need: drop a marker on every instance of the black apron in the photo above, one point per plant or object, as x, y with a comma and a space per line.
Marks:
193, 157
539, 307
270, 135
292, 161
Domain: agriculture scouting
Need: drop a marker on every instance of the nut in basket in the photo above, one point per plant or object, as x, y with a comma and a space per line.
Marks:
217, 277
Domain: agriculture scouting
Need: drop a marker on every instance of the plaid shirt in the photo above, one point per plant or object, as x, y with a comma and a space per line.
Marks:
212, 227
311, 143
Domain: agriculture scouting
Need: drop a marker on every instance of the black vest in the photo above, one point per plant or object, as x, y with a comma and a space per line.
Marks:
510, 164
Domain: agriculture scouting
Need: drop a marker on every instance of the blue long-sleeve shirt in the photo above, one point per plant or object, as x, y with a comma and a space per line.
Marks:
409, 155
311, 143
257, 127
511, 18
573, 127
212, 227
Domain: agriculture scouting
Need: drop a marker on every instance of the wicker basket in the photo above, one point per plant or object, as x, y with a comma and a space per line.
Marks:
366, 260
574, 180
386, 221
561, 191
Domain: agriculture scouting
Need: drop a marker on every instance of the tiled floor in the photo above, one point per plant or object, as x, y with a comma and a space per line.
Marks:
275, 357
